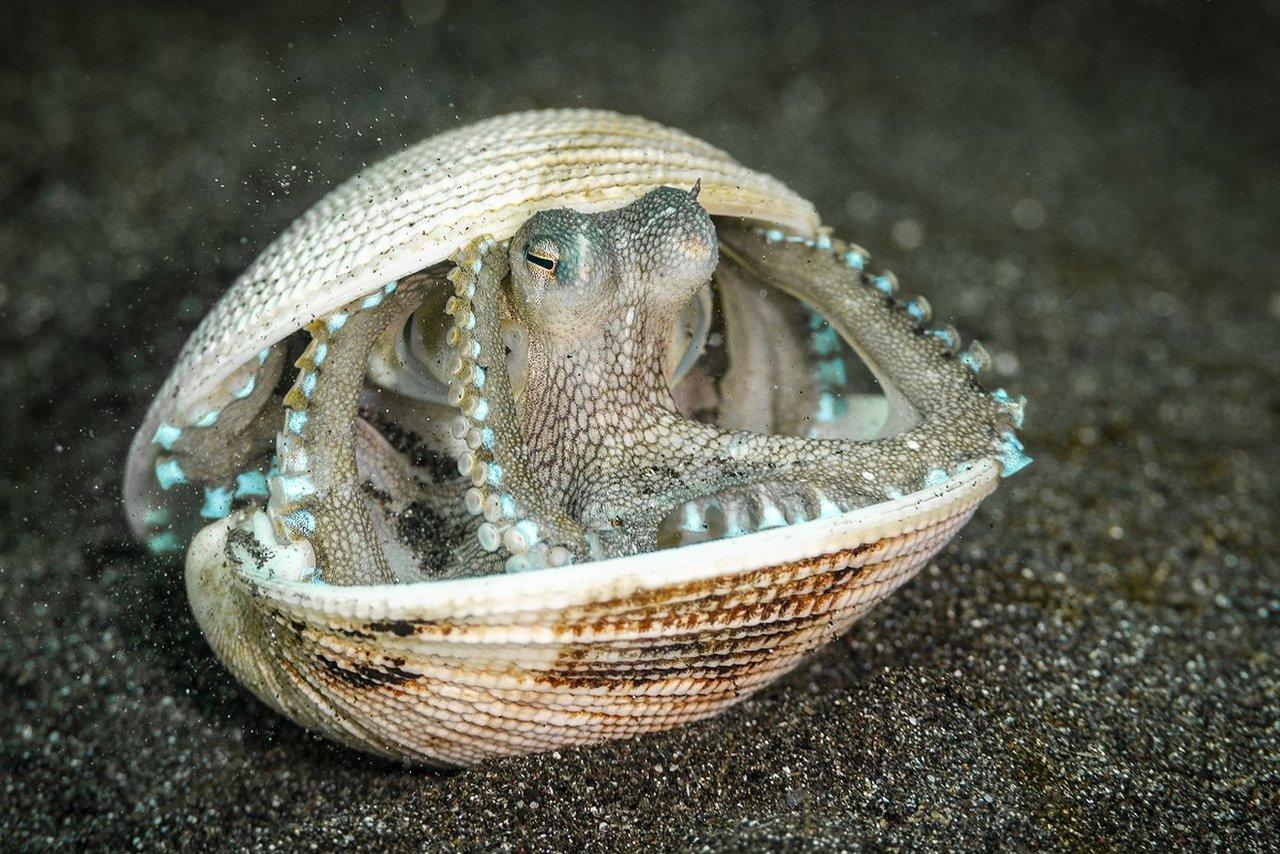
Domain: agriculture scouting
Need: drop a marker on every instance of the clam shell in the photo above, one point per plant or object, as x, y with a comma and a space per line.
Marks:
455, 672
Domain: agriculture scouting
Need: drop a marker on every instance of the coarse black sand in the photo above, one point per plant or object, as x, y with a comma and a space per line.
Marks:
1091, 189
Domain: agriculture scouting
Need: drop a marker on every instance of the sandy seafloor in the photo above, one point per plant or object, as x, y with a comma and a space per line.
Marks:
1093, 191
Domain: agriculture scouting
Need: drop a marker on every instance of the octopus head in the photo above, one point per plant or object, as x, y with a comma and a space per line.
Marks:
572, 272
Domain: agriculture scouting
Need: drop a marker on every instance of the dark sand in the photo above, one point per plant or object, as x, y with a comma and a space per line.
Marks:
1093, 663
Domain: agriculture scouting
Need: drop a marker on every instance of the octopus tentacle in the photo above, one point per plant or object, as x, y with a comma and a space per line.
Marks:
222, 441
888, 334
317, 493
520, 517
922, 370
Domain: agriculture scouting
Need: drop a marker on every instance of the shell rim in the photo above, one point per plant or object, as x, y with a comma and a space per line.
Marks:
616, 577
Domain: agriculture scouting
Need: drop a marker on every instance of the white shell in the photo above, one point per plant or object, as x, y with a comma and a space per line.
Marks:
453, 672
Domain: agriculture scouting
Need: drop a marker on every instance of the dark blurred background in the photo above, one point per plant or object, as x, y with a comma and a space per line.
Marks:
1093, 189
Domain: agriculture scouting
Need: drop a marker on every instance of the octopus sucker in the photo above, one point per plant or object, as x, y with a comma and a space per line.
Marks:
591, 433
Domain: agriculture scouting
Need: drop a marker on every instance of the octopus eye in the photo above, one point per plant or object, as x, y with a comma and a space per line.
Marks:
541, 260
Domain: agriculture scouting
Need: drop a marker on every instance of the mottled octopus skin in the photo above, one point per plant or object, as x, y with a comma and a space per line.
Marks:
619, 642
